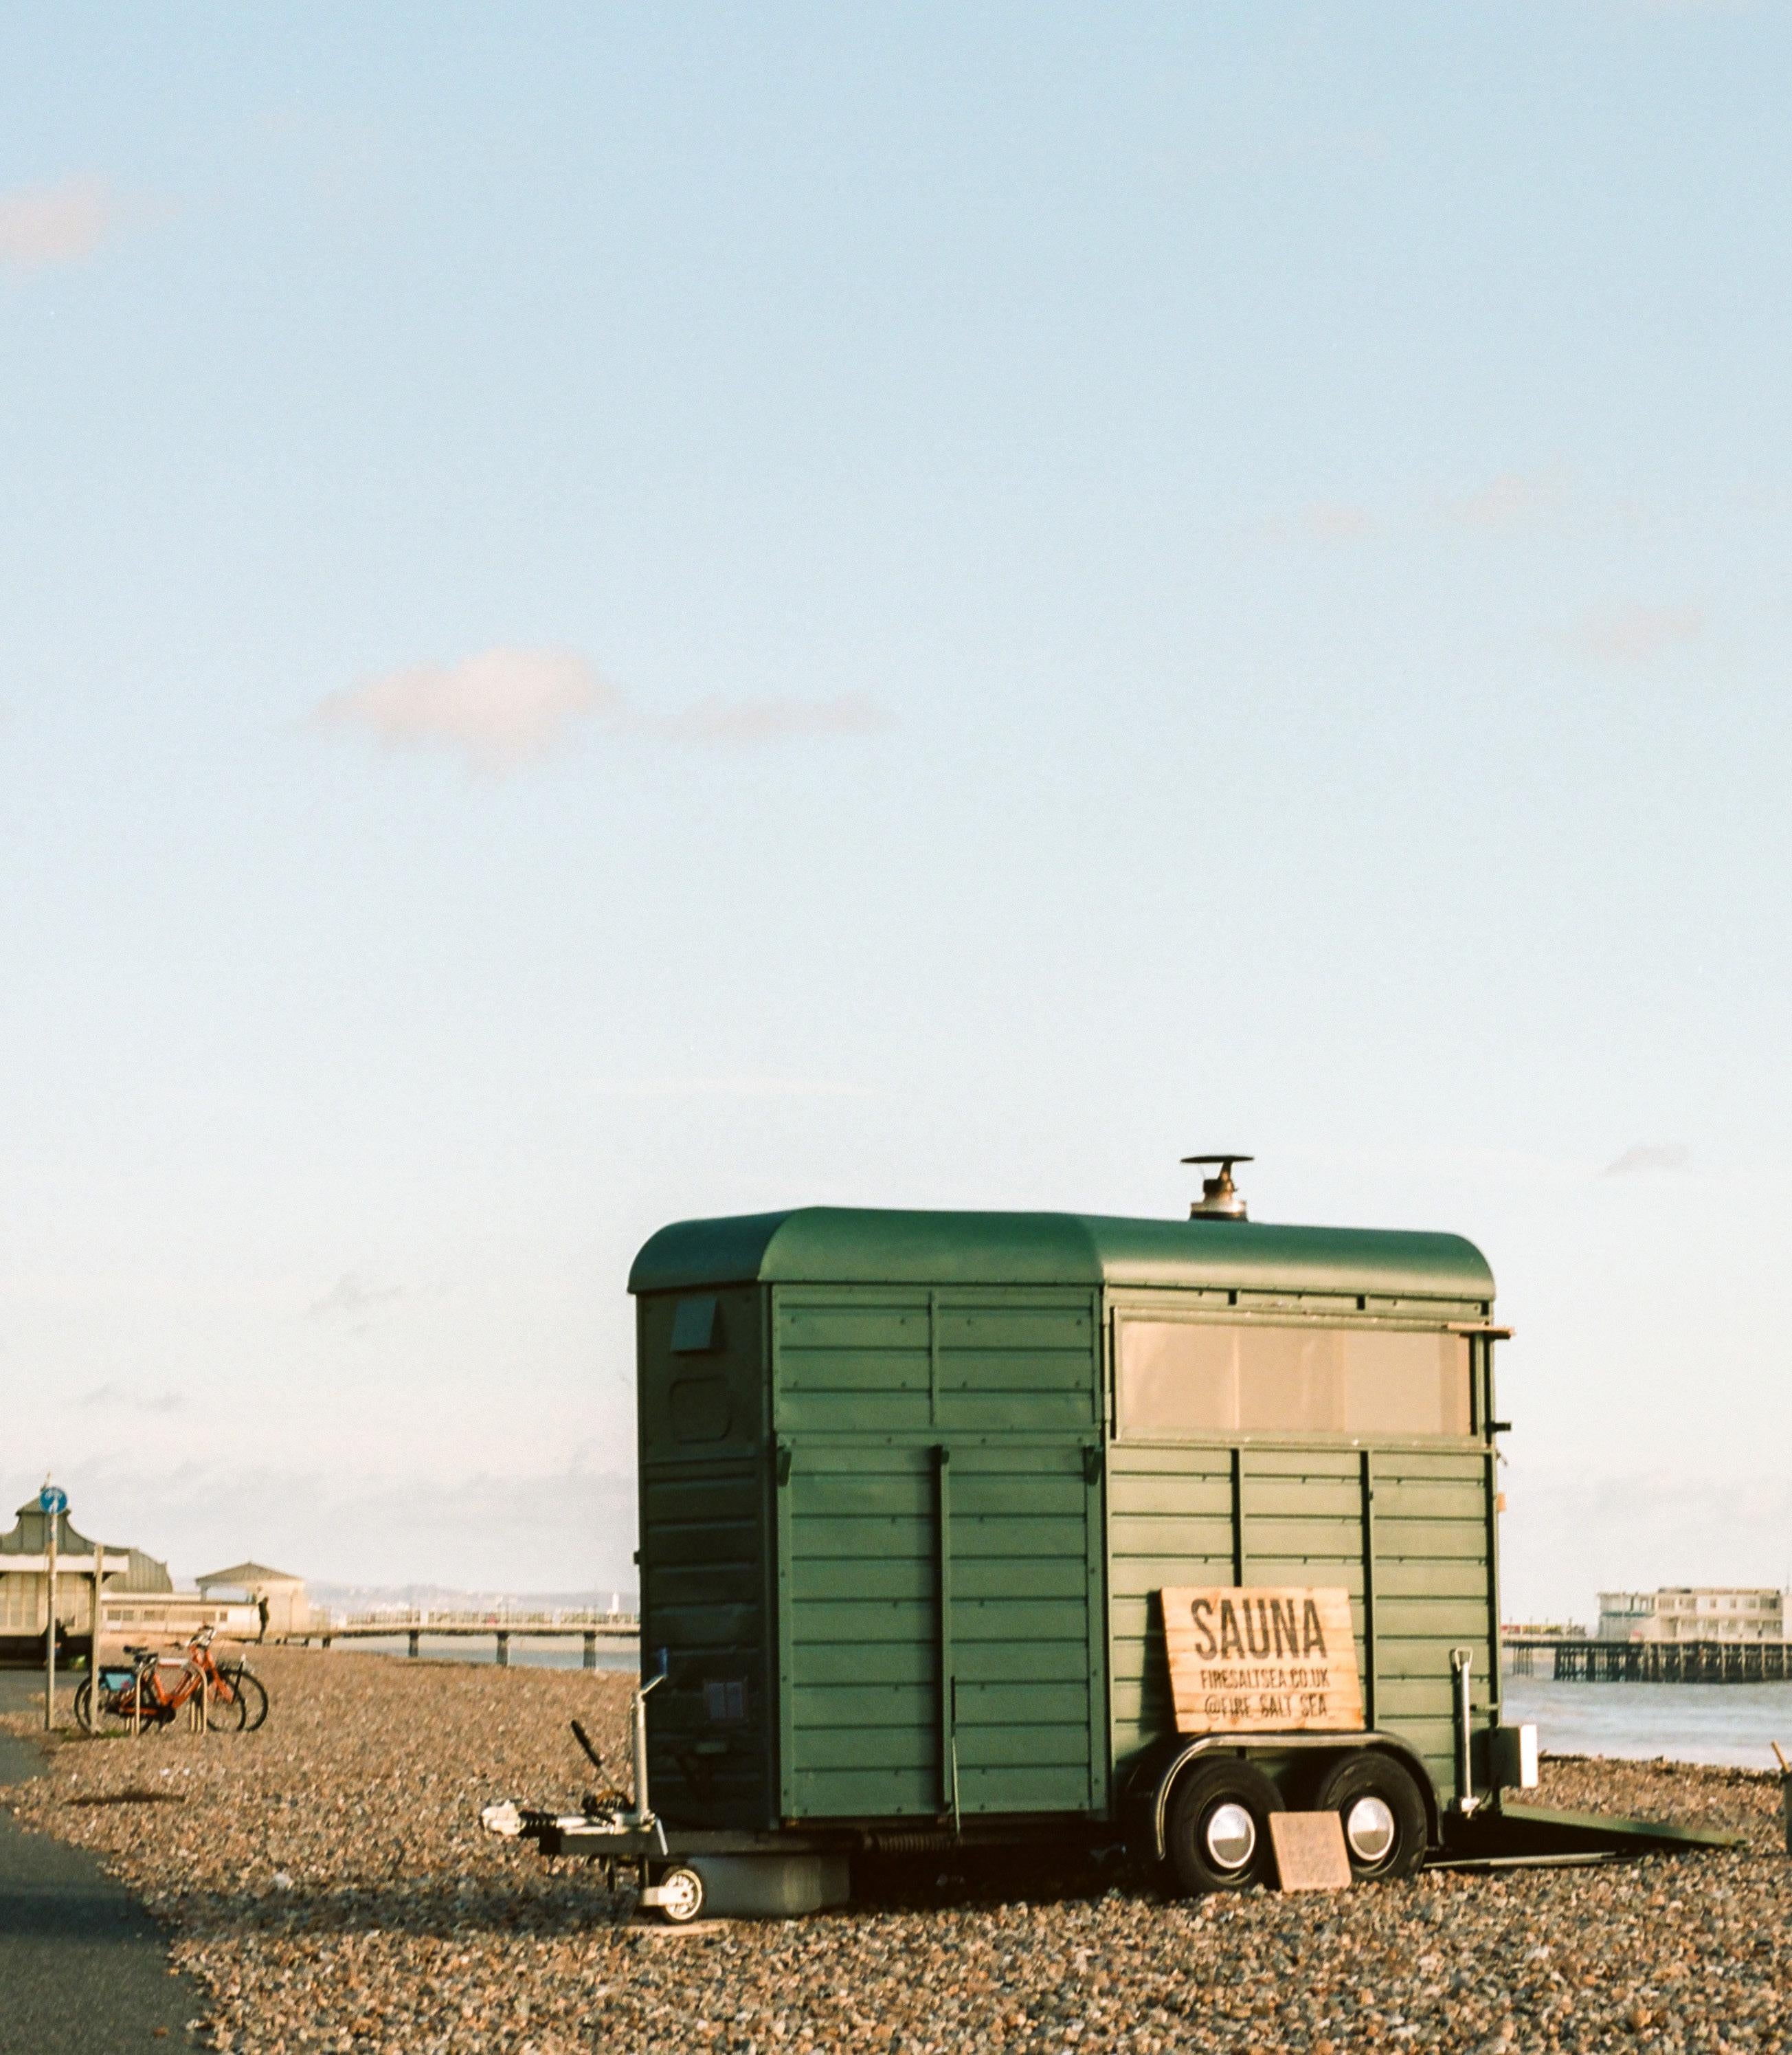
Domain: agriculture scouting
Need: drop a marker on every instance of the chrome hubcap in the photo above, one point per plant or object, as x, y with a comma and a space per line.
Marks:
683, 1896
1368, 1826
1231, 1834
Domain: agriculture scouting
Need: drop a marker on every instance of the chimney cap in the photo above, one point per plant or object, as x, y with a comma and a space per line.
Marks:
1220, 1198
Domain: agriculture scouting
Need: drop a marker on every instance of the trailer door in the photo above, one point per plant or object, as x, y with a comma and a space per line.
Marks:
939, 1574
1021, 1697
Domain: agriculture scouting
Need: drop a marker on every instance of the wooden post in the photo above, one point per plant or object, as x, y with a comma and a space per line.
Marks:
1785, 1792
503, 1650
415, 1639
49, 1631
591, 1651
99, 1620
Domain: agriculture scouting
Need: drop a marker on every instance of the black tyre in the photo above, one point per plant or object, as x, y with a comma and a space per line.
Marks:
246, 1687
1378, 1800
683, 1900
84, 1700
1217, 1829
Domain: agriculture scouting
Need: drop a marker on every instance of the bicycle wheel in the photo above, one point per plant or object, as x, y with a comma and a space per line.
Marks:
251, 1693
227, 1712
110, 1710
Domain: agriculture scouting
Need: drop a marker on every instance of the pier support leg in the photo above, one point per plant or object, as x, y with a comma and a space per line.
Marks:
415, 1638
503, 1651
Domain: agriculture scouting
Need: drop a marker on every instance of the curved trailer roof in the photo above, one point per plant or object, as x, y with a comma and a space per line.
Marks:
843, 1245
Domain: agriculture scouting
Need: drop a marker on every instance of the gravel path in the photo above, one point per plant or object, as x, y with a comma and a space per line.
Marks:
328, 1882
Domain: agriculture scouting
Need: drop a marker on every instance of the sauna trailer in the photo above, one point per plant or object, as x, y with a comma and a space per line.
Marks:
961, 1528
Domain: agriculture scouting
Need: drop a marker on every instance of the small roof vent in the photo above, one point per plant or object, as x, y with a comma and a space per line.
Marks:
1220, 1198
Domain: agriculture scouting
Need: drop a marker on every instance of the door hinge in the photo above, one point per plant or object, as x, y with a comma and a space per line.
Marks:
783, 1462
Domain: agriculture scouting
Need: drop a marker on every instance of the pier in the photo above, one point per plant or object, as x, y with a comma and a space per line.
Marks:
1585, 1661
613, 1629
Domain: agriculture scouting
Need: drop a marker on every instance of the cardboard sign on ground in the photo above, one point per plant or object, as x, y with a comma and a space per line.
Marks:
1262, 1660
1309, 1851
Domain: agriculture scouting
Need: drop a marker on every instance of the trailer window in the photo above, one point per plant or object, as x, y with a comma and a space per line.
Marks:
1187, 1377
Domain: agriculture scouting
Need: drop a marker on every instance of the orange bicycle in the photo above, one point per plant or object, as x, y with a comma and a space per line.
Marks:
158, 1685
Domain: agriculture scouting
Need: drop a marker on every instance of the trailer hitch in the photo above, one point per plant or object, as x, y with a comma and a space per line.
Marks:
608, 1811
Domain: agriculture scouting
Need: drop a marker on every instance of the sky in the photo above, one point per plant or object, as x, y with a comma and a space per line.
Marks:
609, 613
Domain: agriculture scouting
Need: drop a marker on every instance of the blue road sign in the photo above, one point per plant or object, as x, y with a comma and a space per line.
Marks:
53, 1499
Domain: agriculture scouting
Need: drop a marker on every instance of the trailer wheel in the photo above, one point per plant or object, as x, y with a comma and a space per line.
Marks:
1382, 1812
681, 1895
1217, 1829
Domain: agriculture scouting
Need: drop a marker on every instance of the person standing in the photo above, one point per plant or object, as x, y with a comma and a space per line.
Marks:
260, 1614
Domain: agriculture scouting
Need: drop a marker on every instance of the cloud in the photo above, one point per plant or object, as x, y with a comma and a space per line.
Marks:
506, 707
137, 1401
1632, 634
1326, 521
1647, 1155
60, 224
499, 710
352, 1294
1513, 499
755, 721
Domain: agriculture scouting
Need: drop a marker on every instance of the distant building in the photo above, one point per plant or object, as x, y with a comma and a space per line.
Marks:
1686, 1612
25, 1582
288, 1609
150, 1617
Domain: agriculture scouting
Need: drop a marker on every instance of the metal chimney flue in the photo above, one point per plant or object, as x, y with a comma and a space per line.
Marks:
1220, 1200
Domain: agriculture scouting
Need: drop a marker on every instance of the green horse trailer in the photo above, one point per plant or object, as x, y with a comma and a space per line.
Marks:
974, 1527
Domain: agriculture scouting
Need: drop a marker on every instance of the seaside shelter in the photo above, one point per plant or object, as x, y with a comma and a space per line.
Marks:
25, 1581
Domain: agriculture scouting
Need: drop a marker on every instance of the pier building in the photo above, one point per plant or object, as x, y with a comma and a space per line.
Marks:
1693, 1612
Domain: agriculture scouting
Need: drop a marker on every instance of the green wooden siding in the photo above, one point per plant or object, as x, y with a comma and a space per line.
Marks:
705, 1566
1174, 1518
1433, 1593
1169, 1522
939, 1553
895, 1360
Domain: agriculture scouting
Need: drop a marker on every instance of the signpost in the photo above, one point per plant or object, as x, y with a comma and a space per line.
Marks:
99, 1627
52, 1502
1260, 1661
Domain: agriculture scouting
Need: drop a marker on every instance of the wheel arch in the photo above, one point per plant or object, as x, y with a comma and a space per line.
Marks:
1156, 1778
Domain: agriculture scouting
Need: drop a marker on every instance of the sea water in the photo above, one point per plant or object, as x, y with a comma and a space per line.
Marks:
1731, 1725
483, 1648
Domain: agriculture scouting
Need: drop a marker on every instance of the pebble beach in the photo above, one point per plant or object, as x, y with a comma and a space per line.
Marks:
328, 1883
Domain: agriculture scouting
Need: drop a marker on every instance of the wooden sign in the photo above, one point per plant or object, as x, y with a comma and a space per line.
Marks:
1310, 1852
1262, 1661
